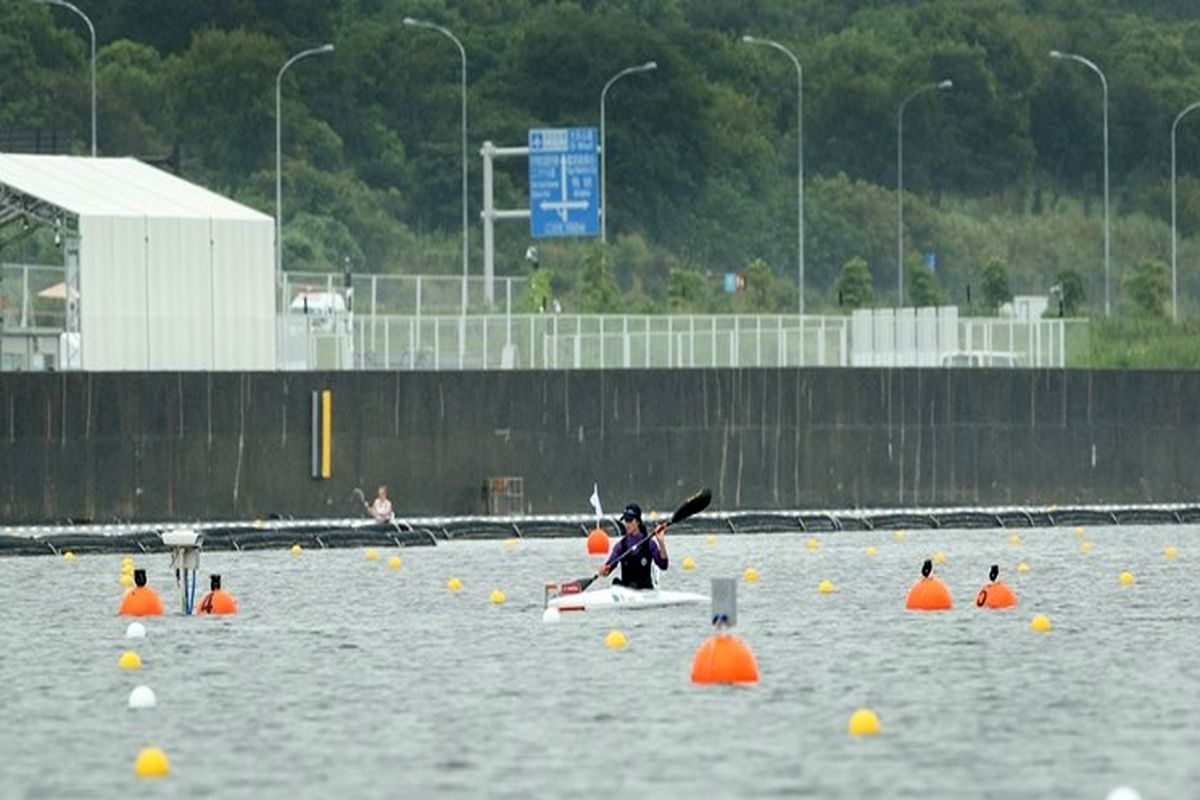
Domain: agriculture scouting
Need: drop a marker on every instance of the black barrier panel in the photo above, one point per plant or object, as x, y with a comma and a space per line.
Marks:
204, 446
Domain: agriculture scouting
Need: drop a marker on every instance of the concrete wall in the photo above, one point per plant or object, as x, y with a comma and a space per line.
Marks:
148, 446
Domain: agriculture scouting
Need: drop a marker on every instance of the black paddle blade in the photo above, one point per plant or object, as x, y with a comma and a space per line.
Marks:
693, 505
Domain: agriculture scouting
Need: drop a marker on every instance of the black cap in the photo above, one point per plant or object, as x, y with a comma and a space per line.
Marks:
214, 582
139, 577
632, 511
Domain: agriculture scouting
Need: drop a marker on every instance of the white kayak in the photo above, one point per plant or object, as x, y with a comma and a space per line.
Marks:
621, 597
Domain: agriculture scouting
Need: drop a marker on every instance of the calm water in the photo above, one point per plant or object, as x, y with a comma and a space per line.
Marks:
344, 678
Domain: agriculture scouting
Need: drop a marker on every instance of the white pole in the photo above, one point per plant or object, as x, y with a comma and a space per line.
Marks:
328, 48
799, 154
946, 84
1107, 250
647, 67
1174, 232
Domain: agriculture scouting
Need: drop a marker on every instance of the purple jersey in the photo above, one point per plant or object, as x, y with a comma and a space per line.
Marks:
630, 541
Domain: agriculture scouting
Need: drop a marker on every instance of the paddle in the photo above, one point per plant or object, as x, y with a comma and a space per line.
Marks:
693, 505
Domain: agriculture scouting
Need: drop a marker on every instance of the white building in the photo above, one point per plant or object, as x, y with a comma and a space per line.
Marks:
161, 274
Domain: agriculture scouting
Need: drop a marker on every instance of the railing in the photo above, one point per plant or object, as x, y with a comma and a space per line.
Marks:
568, 341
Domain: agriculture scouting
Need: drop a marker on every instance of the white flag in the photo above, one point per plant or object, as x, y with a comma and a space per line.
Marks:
595, 500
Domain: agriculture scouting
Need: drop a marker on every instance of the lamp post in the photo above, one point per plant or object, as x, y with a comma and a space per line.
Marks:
647, 67
929, 87
1104, 86
754, 40
1174, 239
91, 33
418, 23
328, 48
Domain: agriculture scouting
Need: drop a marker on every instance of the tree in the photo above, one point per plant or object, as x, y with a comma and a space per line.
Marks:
923, 288
995, 288
598, 292
687, 291
854, 284
1148, 288
1069, 288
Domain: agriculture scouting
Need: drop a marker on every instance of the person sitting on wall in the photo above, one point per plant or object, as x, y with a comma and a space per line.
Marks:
381, 508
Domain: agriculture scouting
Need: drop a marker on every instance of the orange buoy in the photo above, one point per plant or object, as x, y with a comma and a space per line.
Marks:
929, 593
724, 658
996, 594
141, 600
217, 601
597, 542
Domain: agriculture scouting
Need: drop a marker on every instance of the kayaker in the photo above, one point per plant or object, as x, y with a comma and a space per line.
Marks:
636, 550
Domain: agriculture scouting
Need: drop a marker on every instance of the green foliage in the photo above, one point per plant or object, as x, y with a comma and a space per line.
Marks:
994, 289
1148, 289
923, 287
854, 285
598, 292
1143, 343
1070, 293
538, 291
687, 292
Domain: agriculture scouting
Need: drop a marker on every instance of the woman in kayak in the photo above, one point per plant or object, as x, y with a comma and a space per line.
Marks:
636, 550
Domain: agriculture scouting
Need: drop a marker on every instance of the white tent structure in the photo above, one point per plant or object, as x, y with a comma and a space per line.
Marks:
161, 274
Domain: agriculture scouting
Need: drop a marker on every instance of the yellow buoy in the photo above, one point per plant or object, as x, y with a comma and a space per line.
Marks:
130, 660
939, 557
372, 555
710, 539
871, 550
126, 579
750, 575
1086, 547
1040, 623
127, 568
812, 543
1078, 533
394, 562
151, 763
296, 550
863, 723
454, 584
497, 597
900, 536
127, 560
1170, 552
1014, 539
826, 587
689, 563
1022, 567
510, 543
68, 556
615, 640
1126, 578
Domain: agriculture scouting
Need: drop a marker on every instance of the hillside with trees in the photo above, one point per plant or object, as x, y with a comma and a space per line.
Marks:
1002, 173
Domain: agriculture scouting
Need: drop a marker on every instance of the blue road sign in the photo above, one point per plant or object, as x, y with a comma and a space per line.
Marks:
564, 182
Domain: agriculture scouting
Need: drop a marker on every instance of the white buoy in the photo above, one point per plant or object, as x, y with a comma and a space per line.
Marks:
142, 697
136, 630
1124, 793
551, 615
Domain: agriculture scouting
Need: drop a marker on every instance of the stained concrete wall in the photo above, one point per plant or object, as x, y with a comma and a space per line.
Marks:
237, 445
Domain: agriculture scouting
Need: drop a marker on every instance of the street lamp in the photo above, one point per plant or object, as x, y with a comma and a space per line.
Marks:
929, 87
1174, 240
316, 51
799, 151
92, 34
417, 23
1104, 85
647, 67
